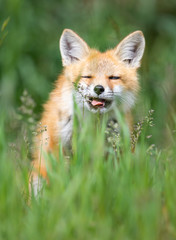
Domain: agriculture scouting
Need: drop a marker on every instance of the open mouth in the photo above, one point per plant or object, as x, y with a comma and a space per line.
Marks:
99, 102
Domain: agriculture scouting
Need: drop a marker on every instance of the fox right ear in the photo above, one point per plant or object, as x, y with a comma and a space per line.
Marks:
130, 50
72, 47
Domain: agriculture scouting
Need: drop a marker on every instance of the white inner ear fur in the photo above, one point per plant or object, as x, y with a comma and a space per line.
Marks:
131, 49
72, 47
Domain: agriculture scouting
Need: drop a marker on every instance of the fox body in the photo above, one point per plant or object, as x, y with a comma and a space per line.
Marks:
98, 82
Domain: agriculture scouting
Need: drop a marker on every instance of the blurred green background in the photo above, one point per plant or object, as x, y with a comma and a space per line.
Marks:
30, 58
133, 198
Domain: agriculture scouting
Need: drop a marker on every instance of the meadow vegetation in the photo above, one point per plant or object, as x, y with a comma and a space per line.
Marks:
102, 190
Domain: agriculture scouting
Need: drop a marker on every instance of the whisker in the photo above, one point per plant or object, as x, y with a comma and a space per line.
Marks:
113, 92
123, 99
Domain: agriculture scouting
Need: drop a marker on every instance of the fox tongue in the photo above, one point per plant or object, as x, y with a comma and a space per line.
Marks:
97, 103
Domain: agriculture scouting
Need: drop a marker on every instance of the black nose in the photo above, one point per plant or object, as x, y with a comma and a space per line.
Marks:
99, 89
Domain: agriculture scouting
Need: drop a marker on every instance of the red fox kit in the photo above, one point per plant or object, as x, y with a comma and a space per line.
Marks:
104, 80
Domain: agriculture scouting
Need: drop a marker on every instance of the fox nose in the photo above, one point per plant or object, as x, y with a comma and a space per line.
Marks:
98, 89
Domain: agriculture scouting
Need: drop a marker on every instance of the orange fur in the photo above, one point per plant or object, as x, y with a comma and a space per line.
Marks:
81, 61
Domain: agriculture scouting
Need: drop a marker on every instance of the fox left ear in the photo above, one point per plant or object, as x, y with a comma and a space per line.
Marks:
72, 47
130, 50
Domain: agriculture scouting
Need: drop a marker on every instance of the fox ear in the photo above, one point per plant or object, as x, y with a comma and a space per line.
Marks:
130, 50
72, 47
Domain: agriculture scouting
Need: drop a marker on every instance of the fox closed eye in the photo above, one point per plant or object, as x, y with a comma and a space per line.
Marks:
114, 77
86, 76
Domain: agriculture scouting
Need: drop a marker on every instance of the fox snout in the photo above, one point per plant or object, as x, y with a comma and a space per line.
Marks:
98, 89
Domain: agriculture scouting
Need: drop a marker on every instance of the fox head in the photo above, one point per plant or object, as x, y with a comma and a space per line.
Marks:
102, 80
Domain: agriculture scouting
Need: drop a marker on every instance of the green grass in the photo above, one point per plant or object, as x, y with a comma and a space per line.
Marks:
101, 191
90, 195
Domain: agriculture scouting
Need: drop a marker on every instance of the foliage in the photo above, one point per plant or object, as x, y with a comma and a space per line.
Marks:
102, 191
3, 34
91, 196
